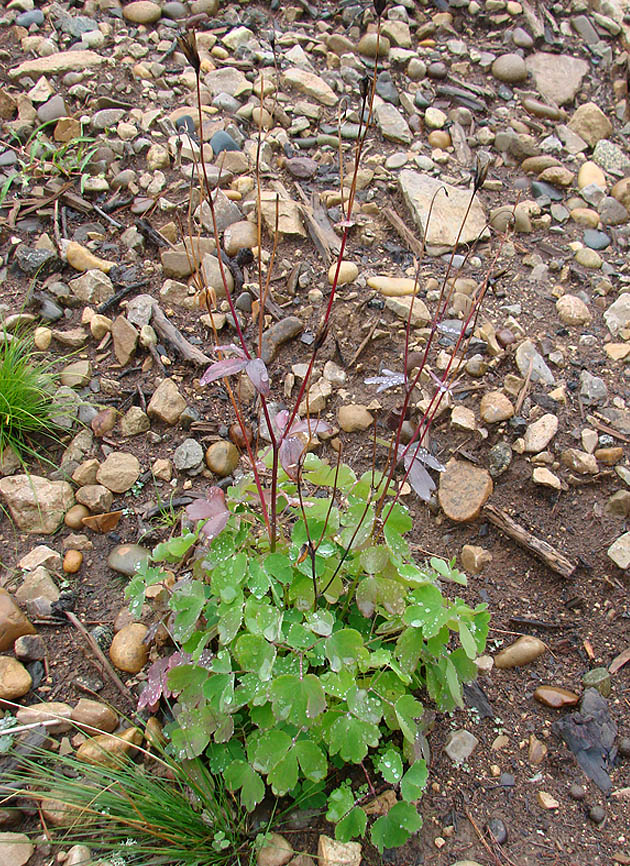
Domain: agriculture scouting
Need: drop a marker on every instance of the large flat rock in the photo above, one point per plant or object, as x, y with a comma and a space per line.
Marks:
558, 77
449, 208
62, 61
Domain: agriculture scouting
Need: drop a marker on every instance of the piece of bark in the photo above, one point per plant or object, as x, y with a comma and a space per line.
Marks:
172, 335
405, 233
555, 560
536, 26
319, 227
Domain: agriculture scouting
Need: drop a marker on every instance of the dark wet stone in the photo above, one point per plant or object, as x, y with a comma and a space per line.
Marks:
437, 70
33, 261
49, 310
77, 25
499, 459
185, 123
301, 167
518, 425
577, 792
222, 140
189, 416
244, 302
34, 16
498, 830
596, 240
624, 747
38, 673
103, 635
280, 333
597, 814
540, 189
386, 88
420, 100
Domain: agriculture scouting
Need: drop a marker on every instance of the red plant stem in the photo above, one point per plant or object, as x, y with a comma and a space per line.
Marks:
439, 313
428, 416
236, 322
344, 238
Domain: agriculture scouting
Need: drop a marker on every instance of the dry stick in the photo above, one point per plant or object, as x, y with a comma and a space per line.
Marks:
405, 233
364, 343
169, 332
525, 388
555, 560
482, 840
107, 668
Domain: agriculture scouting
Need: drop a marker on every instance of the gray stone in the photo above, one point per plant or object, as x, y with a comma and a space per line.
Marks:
447, 214
593, 390
557, 77
460, 745
610, 156
392, 124
127, 558
188, 457
526, 357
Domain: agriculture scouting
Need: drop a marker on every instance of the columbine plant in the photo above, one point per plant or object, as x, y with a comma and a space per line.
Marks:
305, 630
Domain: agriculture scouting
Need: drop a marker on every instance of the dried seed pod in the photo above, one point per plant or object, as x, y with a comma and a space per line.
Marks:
188, 44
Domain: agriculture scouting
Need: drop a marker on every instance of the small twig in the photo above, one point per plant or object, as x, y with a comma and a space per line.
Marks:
107, 217
524, 389
364, 343
107, 668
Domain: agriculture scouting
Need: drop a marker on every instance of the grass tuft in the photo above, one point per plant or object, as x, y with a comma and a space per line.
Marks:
159, 813
27, 405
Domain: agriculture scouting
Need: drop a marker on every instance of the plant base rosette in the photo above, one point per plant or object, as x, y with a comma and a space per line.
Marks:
309, 659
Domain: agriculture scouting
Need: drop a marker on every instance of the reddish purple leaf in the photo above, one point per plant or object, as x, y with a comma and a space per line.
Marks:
290, 452
157, 686
213, 510
298, 426
227, 367
257, 372
230, 347
419, 479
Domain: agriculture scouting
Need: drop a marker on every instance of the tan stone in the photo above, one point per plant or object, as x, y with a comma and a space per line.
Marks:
119, 472
464, 489
13, 623
94, 714
128, 651
523, 651
36, 504
46, 713
166, 404
107, 749
474, 558
495, 407
15, 680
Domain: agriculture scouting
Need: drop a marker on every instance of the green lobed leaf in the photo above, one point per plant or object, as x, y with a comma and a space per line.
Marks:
407, 710
344, 648
253, 653
351, 738
352, 825
393, 830
468, 641
187, 605
340, 802
240, 776
390, 766
414, 781
364, 705
312, 760
174, 549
